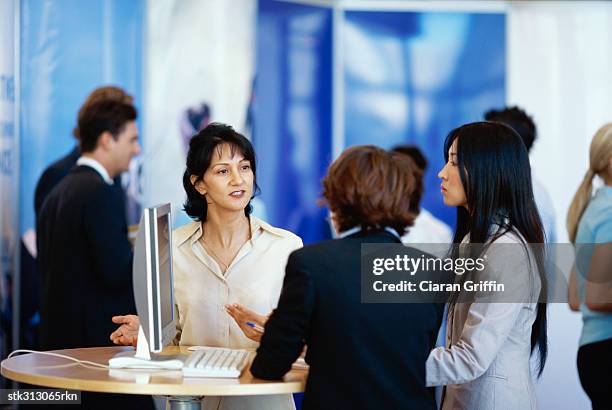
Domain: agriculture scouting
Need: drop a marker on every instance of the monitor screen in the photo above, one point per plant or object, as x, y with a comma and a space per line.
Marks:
152, 277
165, 273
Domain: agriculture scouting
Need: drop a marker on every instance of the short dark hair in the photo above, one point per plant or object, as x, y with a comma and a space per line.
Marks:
201, 149
111, 116
517, 119
371, 188
104, 93
414, 154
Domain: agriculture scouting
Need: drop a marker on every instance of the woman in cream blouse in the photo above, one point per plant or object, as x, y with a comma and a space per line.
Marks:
485, 364
225, 257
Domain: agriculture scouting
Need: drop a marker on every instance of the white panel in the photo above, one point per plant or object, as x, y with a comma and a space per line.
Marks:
197, 51
559, 66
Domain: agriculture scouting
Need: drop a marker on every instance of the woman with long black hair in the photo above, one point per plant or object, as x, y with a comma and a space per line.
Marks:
486, 361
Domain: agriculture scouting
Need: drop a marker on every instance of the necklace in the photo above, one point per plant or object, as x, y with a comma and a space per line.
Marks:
224, 267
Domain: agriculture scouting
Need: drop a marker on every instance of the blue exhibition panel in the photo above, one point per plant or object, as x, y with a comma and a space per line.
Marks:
292, 114
411, 77
69, 47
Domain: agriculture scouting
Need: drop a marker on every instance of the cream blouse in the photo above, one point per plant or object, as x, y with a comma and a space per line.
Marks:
201, 290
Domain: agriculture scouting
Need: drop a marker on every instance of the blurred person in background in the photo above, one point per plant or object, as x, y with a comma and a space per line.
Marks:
485, 364
51, 176
84, 256
589, 226
55, 172
523, 124
225, 256
427, 228
361, 355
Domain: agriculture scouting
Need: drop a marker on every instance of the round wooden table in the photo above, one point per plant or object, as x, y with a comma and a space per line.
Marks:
55, 372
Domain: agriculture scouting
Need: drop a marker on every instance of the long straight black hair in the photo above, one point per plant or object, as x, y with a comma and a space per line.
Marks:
494, 169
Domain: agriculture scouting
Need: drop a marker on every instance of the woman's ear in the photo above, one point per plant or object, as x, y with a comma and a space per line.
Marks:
198, 184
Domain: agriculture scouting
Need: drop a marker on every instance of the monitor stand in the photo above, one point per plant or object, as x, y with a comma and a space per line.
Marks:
142, 358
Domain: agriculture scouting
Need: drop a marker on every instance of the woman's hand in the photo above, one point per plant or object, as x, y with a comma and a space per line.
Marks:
127, 333
242, 315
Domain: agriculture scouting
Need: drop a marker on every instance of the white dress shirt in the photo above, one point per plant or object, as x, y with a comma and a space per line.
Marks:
428, 229
546, 210
99, 168
253, 279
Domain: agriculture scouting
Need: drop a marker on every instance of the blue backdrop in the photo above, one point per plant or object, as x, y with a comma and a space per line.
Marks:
413, 77
408, 78
69, 47
292, 114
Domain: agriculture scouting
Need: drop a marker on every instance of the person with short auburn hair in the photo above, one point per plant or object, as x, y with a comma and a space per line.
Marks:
382, 198
361, 355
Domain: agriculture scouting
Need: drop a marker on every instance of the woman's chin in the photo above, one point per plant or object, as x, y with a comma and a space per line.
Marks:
450, 202
237, 206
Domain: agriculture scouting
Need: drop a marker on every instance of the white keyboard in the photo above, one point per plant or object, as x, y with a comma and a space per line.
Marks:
216, 362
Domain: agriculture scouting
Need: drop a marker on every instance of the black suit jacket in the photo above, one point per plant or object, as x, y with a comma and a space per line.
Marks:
54, 173
361, 356
85, 261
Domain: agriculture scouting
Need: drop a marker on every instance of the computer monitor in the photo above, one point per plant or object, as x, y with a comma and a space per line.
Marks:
153, 291
152, 277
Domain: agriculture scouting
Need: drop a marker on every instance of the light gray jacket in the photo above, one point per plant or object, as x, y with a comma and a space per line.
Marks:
485, 364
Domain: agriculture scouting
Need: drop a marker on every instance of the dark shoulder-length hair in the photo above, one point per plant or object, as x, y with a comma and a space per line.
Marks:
201, 149
494, 169
370, 188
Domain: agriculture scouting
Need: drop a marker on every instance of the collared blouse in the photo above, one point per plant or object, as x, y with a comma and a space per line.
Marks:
201, 290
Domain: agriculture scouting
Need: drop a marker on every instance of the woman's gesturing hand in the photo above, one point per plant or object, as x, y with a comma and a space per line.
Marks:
127, 333
250, 322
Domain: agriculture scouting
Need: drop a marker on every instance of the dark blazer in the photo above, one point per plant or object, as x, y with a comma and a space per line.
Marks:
54, 173
85, 261
361, 356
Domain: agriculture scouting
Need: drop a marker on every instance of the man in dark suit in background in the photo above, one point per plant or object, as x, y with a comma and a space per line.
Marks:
51, 176
361, 355
84, 255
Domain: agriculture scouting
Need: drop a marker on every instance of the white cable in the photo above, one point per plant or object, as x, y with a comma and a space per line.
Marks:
13, 353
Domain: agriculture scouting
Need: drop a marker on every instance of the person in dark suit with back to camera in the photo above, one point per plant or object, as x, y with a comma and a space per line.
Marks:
84, 255
361, 355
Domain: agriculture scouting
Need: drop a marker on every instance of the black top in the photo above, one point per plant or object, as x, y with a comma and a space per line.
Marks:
85, 261
361, 355
52, 175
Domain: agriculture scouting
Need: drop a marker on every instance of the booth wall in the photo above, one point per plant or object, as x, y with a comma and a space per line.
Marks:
559, 66
9, 172
198, 53
411, 77
292, 114
68, 48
